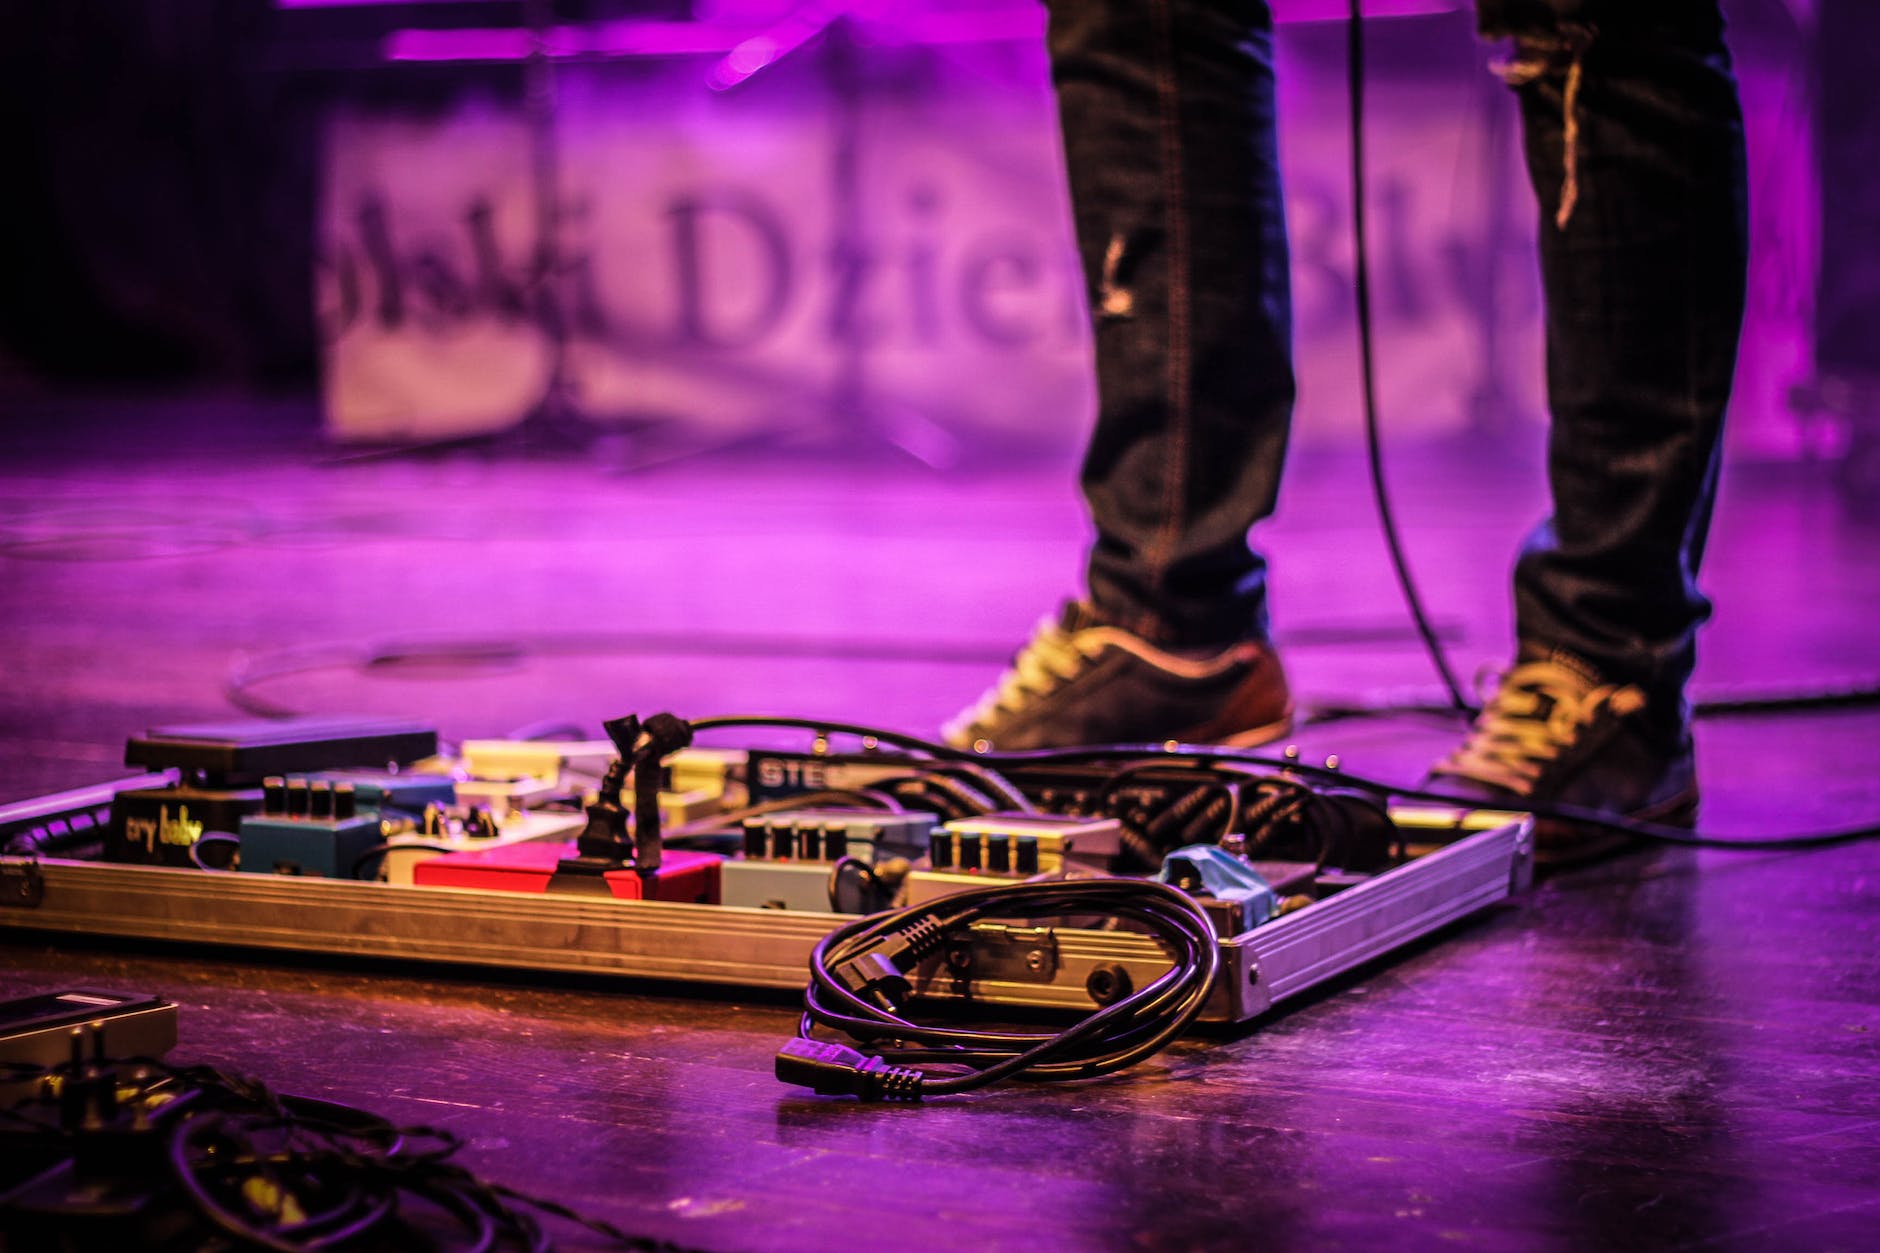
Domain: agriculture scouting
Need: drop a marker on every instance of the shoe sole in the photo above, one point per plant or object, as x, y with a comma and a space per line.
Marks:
1558, 844
1252, 737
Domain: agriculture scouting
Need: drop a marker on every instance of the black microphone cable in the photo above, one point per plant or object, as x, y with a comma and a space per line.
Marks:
1008, 764
1367, 369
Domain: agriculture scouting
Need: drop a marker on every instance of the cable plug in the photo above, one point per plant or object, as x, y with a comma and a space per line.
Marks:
880, 974
874, 976
837, 1070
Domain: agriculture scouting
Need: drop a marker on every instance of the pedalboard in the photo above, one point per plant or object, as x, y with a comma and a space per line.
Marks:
740, 871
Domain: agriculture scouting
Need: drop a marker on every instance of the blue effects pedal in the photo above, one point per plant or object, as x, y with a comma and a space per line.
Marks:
308, 827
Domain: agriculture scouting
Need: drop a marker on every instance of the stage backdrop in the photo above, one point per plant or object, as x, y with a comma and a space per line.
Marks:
876, 243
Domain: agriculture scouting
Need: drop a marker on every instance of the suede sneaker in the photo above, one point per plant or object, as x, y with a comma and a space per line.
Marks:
1081, 681
1556, 734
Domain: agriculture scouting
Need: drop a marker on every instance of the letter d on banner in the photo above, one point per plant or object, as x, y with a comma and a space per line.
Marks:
710, 276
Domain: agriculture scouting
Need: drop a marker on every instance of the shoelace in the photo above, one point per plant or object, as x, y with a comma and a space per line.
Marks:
1051, 657
1541, 710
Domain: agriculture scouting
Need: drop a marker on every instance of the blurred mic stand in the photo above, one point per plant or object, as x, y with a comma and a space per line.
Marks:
856, 420
556, 425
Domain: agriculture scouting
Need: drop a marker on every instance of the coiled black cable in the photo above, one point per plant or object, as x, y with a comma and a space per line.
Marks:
293, 1173
860, 974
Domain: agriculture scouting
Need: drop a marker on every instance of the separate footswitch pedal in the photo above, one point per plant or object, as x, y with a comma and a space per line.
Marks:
36, 1031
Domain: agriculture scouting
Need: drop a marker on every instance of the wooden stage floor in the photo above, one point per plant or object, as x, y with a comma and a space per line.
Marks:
1669, 1050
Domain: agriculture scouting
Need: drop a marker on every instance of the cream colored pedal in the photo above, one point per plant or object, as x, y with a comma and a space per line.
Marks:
518, 827
502, 797
543, 760
1025, 844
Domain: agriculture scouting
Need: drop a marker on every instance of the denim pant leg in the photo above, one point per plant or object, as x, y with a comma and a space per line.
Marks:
1170, 142
1643, 266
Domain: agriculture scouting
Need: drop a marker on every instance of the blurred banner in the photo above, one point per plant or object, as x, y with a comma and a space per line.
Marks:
714, 272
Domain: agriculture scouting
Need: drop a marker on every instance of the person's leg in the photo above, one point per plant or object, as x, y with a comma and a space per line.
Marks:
1170, 144
1644, 282
1171, 148
1635, 149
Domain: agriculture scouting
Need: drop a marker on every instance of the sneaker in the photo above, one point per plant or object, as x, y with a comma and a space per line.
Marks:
1555, 734
1080, 681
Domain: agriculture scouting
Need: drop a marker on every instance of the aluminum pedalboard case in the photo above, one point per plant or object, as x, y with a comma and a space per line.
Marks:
1471, 865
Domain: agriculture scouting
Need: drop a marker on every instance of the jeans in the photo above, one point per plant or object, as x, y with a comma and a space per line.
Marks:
1634, 145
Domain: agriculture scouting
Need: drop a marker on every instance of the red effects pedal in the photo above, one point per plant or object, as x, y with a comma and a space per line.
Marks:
691, 878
